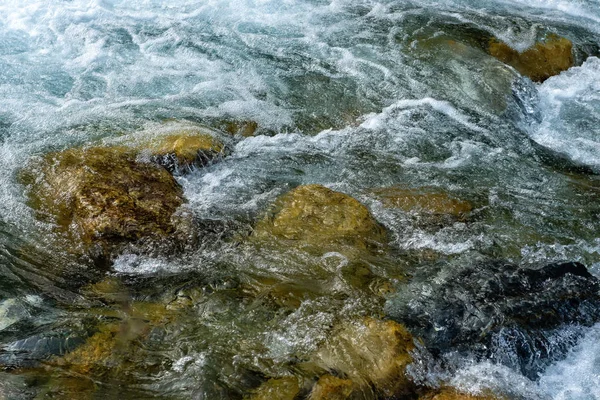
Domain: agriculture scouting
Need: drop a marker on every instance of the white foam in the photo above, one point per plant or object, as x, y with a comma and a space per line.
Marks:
578, 376
570, 107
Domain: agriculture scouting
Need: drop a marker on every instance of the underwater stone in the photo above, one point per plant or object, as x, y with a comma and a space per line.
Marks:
180, 151
495, 307
243, 128
277, 389
104, 198
425, 200
370, 352
452, 394
545, 59
329, 387
316, 216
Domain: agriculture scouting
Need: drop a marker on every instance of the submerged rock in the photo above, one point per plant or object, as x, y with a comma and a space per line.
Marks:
277, 389
369, 353
329, 387
103, 198
500, 310
315, 241
424, 201
452, 394
243, 128
471, 77
113, 349
545, 59
315, 216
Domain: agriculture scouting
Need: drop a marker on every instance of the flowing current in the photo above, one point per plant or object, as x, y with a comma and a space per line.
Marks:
354, 95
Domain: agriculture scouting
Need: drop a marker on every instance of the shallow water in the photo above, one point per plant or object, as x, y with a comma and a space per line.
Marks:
352, 94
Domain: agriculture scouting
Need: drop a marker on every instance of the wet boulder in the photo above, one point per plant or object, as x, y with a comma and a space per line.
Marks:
472, 77
327, 240
318, 217
501, 311
104, 198
181, 151
369, 353
179, 146
115, 347
546, 58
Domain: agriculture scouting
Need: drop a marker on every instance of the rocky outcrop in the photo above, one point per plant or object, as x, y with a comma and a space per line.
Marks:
546, 58
318, 217
500, 310
104, 198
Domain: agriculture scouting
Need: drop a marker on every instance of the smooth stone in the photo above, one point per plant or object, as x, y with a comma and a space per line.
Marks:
318, 217
369, 352
243, 128
424, 201
181, 150
546, 58
453, 394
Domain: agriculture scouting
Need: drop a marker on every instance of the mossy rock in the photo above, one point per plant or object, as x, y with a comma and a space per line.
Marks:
316, 217
329, 387
371, 353
545, 59
428, 201
103, 198
286, 388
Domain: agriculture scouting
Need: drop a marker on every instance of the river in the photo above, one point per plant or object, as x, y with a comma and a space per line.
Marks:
354, 95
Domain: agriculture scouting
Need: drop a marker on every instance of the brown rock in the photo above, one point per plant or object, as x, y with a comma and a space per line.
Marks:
545, 59
244, 128
331, 388
425, 200
181, 150
316, 216
112, 349
453, 394
103, 197
370, 352
277, 389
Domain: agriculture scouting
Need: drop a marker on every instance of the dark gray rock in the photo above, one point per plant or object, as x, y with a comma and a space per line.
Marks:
515, 315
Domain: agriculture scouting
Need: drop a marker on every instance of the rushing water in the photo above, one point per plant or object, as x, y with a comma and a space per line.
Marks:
352, 94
